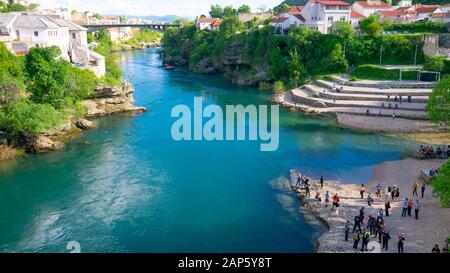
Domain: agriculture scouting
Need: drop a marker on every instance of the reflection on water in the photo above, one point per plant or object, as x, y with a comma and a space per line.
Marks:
126, 186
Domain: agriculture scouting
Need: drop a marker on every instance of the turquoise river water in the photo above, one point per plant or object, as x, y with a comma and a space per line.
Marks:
127, 186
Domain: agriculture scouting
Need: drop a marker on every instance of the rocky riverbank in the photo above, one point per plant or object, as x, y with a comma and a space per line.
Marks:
232, 64
106, 101
420, 237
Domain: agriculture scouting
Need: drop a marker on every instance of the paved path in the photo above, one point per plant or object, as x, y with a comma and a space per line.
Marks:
373, 90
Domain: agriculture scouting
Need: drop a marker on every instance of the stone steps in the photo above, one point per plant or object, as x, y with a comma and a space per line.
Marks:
382, 84
343, 89
364, 97
305, 96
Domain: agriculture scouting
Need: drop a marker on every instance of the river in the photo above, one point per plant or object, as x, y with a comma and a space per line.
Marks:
127, 186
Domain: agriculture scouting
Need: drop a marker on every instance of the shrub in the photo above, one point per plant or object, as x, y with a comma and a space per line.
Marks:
417, 27
278, 86
264, 86
441, 185
25, 117
435, 63
438, 106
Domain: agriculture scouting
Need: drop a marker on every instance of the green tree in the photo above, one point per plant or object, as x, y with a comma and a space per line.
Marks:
98, 16
342, 29
441, 185
435, 63
54, 81
229, 11
281, 8
216, 11
297, 71
438, 106
11, 75
244, 9
371, 26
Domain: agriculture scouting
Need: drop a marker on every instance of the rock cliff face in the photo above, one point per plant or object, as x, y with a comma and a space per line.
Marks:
232, 63
111, 100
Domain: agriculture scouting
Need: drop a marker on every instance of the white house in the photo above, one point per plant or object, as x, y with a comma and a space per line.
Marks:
284, 20
22, 31
370, 7
425, 11
207, 23
29, 30
320, 15
355, 18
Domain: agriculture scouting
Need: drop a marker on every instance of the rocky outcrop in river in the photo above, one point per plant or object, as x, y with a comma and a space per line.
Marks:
112, 100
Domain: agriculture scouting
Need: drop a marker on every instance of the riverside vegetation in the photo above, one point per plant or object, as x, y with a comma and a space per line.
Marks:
41, 93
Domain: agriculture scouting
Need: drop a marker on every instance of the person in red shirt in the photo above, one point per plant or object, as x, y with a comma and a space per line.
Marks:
335, 201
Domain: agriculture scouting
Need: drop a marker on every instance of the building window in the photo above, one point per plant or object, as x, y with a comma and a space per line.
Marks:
36, 34
74, 36
342, 18
17, 33
330, 18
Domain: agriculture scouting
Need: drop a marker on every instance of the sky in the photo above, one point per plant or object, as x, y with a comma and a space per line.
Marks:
185, 8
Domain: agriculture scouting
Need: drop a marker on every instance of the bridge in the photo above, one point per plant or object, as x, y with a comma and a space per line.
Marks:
154, 26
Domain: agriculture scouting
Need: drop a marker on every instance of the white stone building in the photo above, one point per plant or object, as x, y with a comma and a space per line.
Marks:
207, 23
22, 31
370, 7
320, 15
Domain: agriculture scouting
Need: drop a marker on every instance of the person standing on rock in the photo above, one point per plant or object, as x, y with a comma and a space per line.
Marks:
387, 206
369, 200
405, 207
356, 238
401, 241
365, 240
361, 215
423, 189
357, 224
327, 199
361, 192
379, 188
386, 238
410, 206
417, 207
335, 201
346, 230
307, 191
415, 188
321, 181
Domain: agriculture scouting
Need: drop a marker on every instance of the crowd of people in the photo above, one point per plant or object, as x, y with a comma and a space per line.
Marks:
427, 151
373, 226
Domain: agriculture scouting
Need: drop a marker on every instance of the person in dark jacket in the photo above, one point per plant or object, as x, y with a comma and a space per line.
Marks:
423, 189
387, 206
385, 239
357, 224
400, 243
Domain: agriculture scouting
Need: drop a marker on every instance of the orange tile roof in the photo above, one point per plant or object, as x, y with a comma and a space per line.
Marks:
332, 3
378, 5
354, 14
